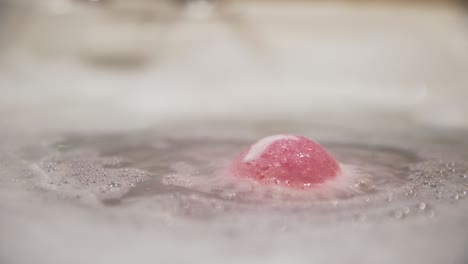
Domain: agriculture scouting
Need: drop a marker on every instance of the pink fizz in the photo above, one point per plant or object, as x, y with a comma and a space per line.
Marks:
286, 160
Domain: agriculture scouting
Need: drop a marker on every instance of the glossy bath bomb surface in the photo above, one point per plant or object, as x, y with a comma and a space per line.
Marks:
287, 160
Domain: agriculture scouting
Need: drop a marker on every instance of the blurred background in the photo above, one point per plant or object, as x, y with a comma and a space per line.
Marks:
113, 64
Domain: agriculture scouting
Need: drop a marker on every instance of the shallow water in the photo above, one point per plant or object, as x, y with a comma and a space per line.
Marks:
150, 187
112, 150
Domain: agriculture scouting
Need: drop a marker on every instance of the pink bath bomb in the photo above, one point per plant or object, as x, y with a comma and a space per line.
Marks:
286, 160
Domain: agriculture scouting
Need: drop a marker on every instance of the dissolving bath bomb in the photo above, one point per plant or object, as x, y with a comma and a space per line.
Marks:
286, 160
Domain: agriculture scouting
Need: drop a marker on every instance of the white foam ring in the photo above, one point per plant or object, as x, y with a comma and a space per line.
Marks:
347, 184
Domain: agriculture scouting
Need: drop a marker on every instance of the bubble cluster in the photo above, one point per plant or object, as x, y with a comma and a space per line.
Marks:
86, 175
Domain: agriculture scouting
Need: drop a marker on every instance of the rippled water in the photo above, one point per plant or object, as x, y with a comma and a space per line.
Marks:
152, 186
120, 167
113, 146
158, 190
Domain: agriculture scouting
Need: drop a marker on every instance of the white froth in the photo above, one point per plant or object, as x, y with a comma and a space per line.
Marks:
258, 148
